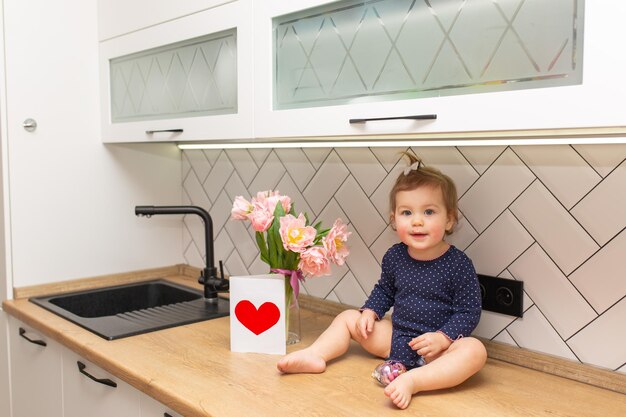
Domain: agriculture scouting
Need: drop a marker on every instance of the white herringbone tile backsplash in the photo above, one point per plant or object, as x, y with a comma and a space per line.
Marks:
552, 216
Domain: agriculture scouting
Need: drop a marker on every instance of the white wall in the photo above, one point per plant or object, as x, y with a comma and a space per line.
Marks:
71, 199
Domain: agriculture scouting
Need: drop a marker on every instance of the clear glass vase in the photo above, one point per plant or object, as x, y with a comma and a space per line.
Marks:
292, 315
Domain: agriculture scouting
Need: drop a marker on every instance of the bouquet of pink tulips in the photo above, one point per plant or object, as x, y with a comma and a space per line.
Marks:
289, 244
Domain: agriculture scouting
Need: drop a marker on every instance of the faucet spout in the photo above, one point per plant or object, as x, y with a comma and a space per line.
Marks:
208, 277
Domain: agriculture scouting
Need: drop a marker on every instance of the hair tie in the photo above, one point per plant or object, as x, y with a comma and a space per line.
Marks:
413, 167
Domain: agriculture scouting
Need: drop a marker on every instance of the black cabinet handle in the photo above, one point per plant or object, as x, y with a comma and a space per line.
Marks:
149, 132
103, 381
417, 117
167, 415
35, 341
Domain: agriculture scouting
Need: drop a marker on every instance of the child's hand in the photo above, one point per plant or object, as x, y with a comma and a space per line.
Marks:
430, 345
365, 323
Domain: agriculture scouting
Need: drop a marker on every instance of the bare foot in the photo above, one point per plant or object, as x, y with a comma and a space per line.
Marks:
401, 391
301, 361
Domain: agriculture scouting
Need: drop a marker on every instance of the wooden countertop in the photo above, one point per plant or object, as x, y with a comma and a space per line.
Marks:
191, 370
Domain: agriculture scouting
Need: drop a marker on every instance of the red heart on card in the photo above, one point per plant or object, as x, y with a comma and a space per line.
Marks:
257, 321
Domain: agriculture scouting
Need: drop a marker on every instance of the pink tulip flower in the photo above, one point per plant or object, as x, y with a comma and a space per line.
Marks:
260, 217
294, 233
286, 202
314, 261
241, 209
334, 242
271, 198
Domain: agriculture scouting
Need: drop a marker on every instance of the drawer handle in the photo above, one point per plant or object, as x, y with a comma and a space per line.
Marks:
167, 415
150, 132
103, 381
34, 341
375, 119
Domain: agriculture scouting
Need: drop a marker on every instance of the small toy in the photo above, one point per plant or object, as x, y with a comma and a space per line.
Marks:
388, 371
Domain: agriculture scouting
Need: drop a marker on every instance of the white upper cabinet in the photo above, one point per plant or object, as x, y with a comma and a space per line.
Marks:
118, 17
217, 70
476, 65
188, 78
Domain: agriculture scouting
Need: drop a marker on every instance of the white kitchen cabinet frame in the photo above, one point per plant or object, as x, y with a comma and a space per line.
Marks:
5, 380
208, 127
119, 17
152, 408
594, 103
36, 372
44, 370
84, 396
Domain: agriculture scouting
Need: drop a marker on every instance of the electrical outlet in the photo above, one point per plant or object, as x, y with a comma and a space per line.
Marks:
502, 295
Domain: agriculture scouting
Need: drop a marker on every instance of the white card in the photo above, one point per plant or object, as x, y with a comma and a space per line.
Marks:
257, 314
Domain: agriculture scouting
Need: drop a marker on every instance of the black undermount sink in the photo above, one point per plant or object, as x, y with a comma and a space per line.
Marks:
128, 310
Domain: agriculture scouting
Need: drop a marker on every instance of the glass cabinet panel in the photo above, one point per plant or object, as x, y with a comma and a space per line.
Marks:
357, 51
195, 77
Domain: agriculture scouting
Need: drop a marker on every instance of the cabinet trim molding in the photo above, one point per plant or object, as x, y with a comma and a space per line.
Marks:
574, 136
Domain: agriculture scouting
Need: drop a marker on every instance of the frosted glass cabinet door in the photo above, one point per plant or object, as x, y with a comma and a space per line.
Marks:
186, 79
476, 64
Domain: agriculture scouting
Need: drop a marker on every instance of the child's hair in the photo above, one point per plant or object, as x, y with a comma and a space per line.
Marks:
418, 175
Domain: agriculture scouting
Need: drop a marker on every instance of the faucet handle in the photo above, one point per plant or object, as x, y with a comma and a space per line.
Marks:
208, 277
223, 285
221, 270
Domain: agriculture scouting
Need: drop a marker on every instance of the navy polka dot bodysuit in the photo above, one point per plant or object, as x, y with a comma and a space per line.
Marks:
440, 294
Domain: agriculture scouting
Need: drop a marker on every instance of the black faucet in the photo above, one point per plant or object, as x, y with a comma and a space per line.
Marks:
208, 277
